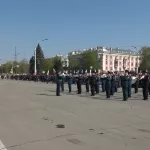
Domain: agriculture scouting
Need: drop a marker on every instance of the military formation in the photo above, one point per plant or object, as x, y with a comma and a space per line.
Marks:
108, 82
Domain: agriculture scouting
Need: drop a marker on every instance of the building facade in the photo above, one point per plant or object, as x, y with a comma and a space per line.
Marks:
112, 59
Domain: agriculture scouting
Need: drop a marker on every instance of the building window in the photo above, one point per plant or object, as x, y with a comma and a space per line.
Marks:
128, 63
106, 62
131, 64
120, 69
106, 56
110, 57
110, 62
110, 68
120, 63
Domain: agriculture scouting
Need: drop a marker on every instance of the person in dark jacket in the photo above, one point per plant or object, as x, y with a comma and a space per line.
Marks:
108, 85
125, 86
92, 83
58, 84
129, 84
116, 83
79, 84
69, 80
113, 84
103, 80
87, 83
97, 84
145, 84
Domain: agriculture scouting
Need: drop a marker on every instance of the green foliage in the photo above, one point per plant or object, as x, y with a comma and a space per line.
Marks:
39, 59
48, 65
31, 65
145, 58
6, 68
23, 66
74, 63
58, 65
90, 59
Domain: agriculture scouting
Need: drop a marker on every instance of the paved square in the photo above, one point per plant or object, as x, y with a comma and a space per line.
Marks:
33, 118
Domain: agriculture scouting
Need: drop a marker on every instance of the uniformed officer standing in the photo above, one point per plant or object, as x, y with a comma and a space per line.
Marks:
58, 83
69, 80
108, 85
125, 86
145, 83
79, 83
92, 83
129, 84
97, 84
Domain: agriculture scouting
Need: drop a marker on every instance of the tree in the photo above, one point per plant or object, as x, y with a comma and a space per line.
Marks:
23, 66
90, 59
58, 65
74, 64
145, 57
31, 65
39, 59
6, 68
48, 65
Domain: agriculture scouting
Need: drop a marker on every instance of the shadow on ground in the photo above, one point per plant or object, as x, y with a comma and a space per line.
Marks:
44, 94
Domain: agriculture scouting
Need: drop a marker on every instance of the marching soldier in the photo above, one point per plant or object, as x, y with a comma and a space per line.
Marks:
108, 85
97, 84
92, 83
125, 86
79, 83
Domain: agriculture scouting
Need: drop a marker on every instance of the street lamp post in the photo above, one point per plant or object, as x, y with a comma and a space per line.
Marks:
15, 61
35, 68
137, 59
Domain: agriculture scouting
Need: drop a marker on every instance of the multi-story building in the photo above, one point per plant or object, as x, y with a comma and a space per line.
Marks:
112, 59
64, 60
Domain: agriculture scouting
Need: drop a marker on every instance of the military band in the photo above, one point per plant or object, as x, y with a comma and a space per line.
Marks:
108, 82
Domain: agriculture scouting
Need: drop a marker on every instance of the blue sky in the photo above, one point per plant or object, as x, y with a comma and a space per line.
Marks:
71, 24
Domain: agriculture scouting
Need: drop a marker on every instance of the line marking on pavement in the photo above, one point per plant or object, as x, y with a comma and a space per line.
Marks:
2, 147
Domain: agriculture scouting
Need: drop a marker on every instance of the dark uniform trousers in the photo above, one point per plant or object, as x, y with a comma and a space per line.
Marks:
87, 87
108, 90
92, 89
145, 93
69, 86
58, 89
125, 83
79, 88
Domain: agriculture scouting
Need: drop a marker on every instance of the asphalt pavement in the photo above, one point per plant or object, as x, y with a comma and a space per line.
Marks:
33, 118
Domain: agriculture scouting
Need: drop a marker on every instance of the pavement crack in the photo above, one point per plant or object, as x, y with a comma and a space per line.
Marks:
37, 141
